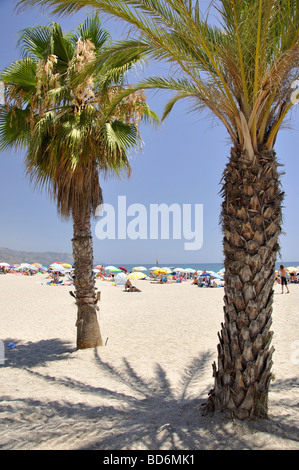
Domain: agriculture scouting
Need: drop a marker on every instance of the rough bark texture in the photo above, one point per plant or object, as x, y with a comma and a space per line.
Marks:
88, 330
251, 219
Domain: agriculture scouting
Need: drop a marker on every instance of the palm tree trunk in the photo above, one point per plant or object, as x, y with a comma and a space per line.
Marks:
88, 330
251, 220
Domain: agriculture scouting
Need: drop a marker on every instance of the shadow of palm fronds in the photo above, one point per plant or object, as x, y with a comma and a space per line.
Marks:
156, 413
133, 412
31, 354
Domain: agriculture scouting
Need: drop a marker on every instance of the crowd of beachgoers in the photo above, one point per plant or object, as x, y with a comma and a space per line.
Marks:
59, 273
62, 273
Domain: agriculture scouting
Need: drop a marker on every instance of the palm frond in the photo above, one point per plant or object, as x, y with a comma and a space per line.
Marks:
14, 127
63, 47
21, 73
35, 42
91, 29
242, 68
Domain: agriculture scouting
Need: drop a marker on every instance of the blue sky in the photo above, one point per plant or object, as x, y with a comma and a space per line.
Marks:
180, 163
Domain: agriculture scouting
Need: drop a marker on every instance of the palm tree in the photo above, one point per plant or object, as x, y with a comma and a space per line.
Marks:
243, 71
62, 122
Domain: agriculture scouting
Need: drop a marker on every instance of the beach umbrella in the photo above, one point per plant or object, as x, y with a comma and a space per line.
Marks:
123, 269
205, 274
32, 267
179, 270
167, 269
110, 268
37, 265
217, 276
120, 279
2, 264
67, 266
136, 275
99, 266
24, 265
291, 269
57, 268
139, 268
160, 271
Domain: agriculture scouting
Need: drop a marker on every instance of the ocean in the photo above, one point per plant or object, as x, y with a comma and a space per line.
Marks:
198, 266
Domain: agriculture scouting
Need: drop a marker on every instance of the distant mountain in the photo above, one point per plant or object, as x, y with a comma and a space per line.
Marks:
17, 257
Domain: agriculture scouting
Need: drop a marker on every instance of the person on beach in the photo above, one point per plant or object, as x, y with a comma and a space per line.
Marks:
56, 278
283, 278
293, 277
130, 288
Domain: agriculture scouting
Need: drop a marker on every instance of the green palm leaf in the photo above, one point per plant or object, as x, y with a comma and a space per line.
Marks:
92, 29
21, 73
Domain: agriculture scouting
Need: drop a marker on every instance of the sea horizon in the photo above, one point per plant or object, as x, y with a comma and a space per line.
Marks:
197, 266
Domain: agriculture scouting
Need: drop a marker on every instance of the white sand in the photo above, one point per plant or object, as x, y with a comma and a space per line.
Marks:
143, 390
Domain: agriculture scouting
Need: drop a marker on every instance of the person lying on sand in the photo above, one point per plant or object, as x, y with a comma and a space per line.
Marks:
130, 288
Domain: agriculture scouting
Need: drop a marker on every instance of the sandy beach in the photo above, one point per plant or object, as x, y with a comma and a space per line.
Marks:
144, 388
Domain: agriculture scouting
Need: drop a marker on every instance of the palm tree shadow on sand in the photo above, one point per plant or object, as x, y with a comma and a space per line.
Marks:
155, 413
36, 353
135, 413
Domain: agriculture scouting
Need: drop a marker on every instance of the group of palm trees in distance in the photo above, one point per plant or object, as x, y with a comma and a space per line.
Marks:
68, 104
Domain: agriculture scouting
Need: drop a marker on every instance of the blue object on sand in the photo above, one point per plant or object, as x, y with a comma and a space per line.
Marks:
11, 345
